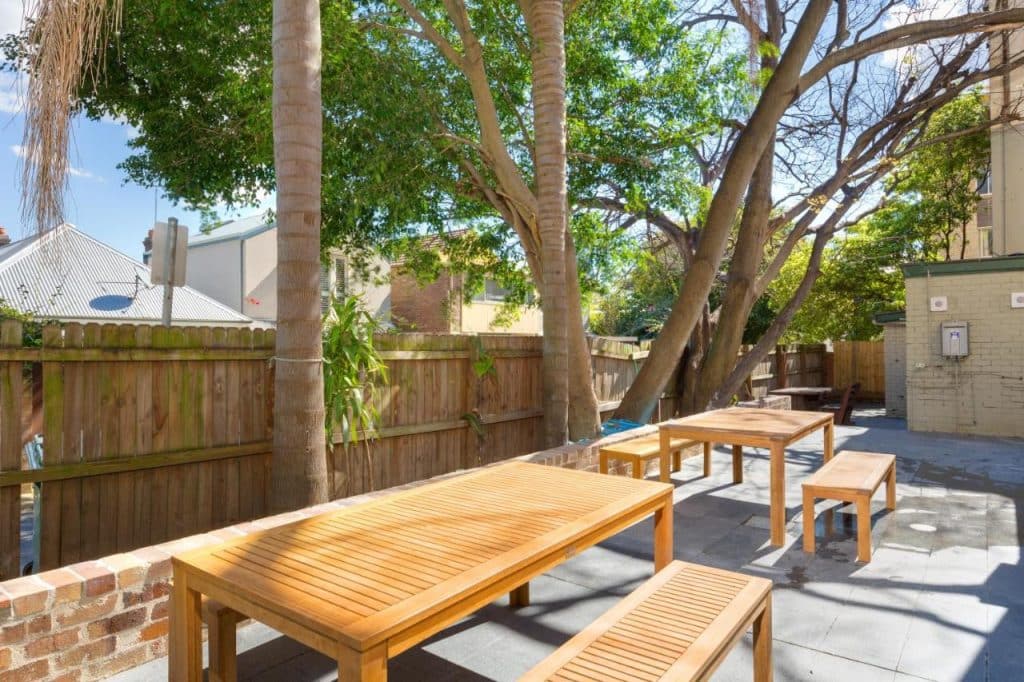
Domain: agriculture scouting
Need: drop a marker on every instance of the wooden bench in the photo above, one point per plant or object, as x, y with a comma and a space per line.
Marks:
850, 477
639, 451
679, 625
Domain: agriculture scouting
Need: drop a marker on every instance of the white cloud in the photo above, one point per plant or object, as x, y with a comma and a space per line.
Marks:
11, 16
19, 151
11, 91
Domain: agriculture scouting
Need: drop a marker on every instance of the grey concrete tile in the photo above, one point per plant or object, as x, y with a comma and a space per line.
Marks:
947, 638
870, 634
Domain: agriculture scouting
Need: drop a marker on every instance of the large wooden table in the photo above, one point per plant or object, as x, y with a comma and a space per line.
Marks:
365, 583
759, 428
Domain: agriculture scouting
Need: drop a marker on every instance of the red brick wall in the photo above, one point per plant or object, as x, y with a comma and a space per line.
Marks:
96, 618
424, 309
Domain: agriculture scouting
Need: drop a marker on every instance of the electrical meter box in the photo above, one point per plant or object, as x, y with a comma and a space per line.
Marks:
954, 339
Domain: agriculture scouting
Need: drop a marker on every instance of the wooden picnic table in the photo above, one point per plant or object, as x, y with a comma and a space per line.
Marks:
367, 582
804, 397
758, 428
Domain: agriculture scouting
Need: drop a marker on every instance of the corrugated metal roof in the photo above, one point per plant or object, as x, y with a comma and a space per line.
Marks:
243, 228
67, 275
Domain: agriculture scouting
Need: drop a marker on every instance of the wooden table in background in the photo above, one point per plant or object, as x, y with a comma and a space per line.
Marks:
804, 397
367, 582
758, 428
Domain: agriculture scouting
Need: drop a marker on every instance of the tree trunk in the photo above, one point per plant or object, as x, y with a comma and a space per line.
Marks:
782, 89
740, 295
584, 418
299, 462
546, 21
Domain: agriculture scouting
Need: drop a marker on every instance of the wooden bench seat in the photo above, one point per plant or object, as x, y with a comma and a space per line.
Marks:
640, 451
851, 477
679, 625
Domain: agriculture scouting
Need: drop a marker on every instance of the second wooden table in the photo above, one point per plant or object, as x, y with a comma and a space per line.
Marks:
774, 430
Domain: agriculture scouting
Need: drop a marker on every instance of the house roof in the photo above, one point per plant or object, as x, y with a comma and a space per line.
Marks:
240, 229
67, 275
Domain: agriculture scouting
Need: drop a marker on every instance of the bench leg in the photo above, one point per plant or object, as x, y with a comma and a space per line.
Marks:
737, 464
707, 459
363, 666
664, 453
808, 521
519, 597
677, 460
222, 643
639, 468
864, 529
602, 462
890, 489
763, 643
829, 435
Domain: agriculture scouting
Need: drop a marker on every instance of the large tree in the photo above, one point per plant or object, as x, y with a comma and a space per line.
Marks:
411, 139
299, 462
833, 116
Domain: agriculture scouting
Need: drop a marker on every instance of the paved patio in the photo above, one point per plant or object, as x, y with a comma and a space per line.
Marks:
942, 599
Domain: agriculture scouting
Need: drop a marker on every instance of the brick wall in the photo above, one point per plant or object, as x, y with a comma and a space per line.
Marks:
91, 620
984, 392
423, 308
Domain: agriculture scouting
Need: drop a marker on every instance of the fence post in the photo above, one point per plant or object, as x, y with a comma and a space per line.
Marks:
11, 384
781, 366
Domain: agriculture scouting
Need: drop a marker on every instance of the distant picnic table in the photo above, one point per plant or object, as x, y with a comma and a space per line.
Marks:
805, 397
367, 582
774, 430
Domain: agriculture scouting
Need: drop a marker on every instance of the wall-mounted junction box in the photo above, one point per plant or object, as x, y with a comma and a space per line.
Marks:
1017, 299
954, 339
938, 304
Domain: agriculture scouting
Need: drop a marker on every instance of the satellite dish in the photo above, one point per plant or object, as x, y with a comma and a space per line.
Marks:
111, 302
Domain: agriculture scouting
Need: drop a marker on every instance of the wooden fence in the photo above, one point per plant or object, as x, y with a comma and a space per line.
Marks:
149, 434
863, 362
155, 433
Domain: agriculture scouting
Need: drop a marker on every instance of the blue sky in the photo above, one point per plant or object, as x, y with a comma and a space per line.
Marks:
101, 202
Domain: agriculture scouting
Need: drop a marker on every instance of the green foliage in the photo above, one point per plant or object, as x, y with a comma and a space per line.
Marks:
937, 179
353, 371
860, 276
31, 328
194, 80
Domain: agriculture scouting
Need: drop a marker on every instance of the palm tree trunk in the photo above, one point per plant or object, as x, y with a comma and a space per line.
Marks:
547, 23
299, 463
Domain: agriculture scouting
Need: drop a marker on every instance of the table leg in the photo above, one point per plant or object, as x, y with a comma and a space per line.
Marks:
222, 624
890, 489
737, 464
602, 462
185, 656
707, 459
830, 430
778, 493
763, 643
677, 460
363, 666
663, 536
665, 455
519, 597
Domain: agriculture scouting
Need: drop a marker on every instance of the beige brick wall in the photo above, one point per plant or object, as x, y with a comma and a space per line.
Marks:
983, 393
895, 341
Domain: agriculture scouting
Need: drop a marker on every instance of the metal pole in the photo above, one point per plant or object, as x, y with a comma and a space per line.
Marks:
170, 250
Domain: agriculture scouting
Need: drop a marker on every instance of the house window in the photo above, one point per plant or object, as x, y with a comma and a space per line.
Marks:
985, 242
332, 280
492, 293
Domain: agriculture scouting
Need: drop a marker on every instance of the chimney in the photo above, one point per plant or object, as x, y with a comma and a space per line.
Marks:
147, 248
5, 238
